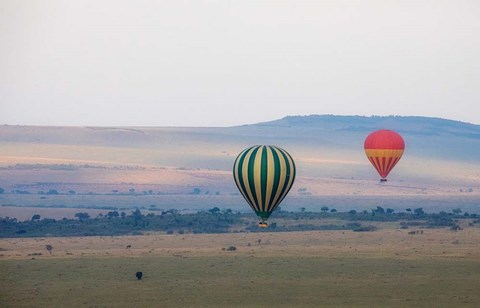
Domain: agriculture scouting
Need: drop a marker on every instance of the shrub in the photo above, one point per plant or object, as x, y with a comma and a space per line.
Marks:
369, 228
455, 227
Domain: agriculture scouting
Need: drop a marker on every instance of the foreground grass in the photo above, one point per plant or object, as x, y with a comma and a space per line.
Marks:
240, 280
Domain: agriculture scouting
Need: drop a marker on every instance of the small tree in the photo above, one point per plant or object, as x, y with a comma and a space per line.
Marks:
324, 209
112, 214
2, 190
49, 248
35, 217
137, 216
419, 211
197, 191
215, 210
82, 216
456, 211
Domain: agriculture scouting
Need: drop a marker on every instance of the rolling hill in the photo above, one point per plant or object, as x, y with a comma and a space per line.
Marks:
441, 161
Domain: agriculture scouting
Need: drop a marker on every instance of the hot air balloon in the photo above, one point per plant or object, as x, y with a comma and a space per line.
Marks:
264, 174
384, 148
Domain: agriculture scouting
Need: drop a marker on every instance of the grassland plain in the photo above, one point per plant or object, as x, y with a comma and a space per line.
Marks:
390, 267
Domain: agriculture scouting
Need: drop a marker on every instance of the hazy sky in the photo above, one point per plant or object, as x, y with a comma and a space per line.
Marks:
217, 63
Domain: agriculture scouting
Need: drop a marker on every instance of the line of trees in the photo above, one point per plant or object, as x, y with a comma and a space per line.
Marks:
222, 221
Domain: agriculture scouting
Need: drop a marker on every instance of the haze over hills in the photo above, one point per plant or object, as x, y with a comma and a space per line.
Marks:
441, 159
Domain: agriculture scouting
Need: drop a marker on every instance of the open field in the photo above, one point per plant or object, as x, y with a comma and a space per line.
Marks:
438, 268
59, 171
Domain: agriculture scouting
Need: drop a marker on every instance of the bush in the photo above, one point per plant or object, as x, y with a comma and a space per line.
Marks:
369, 228
455, 227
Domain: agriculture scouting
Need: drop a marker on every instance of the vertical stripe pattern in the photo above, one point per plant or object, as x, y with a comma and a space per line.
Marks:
264, 175
384, 160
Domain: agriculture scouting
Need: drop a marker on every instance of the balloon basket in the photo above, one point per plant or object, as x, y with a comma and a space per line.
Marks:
383, 180
262, 224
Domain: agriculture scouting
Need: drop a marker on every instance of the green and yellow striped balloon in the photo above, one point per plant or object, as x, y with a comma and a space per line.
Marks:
264, 174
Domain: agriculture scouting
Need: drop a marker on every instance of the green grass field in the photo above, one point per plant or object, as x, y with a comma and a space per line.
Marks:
240, 280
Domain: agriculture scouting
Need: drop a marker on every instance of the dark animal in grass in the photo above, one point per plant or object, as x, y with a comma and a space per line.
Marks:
139, 275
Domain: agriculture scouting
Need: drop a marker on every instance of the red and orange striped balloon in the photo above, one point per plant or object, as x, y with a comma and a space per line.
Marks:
384, 148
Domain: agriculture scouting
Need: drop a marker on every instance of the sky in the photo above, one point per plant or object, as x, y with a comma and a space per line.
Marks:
225, 63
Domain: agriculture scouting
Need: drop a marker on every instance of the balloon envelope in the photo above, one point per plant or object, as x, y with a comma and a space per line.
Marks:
264, 175
384, 148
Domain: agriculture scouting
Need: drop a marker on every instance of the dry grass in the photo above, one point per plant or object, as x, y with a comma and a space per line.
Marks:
392, 243
385, 268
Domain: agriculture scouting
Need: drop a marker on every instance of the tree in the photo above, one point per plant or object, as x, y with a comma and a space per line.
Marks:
390, 211
49, 248
197, 191
456, 211
132, 190
302, 209
333, 211
409, 210
215, 210
82, 216
52, 192
72, 192
139, 275
419, 211
35, 217
112, 214
324, 209
352, 212
137, 216
2, 190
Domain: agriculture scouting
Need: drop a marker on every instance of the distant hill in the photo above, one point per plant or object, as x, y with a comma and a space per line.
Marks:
424, 136
441, 158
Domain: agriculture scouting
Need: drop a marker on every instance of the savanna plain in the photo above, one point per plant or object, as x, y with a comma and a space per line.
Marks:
55, 172
389, 267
